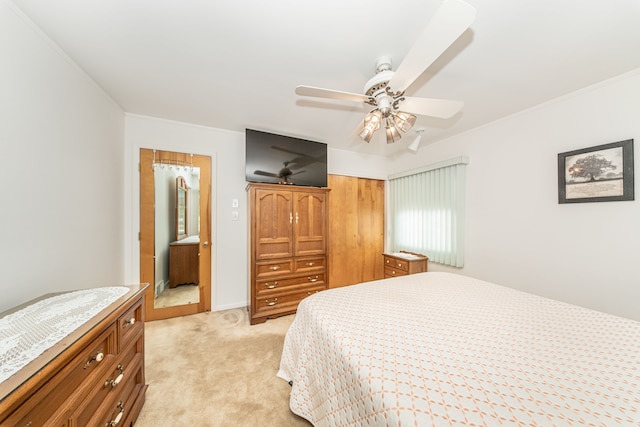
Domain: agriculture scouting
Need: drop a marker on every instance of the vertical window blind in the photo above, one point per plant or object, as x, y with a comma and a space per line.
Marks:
427, 208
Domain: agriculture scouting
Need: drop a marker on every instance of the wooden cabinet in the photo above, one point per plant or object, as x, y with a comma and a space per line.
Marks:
184, 258
403, 263
288, 244
356, 230
92, 377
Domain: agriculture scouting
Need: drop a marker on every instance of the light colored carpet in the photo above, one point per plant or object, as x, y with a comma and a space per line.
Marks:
213, 369
180, 295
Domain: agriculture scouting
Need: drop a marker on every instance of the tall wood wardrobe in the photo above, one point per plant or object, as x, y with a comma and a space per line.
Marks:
356, 230
304, 240
288, 247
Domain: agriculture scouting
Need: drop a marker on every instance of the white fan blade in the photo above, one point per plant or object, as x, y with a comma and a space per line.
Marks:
441, 108
331, 94
449, 22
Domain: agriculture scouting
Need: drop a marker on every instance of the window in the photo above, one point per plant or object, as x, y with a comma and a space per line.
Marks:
427, 211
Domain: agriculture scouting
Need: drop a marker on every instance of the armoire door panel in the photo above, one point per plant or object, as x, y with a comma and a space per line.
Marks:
274, 234
310, 224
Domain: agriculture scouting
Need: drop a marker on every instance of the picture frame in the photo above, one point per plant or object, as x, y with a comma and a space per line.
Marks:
603, 173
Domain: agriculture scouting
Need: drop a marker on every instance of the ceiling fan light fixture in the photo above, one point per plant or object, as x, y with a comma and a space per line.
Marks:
416, 141
371, 124
393, 134
404, 121
385, 91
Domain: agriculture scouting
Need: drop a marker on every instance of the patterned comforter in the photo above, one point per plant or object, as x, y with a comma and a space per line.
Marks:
439, 349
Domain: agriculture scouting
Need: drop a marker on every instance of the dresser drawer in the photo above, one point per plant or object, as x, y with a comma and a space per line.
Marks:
276, 286
130, 325
272, 268
393, 272
44, 406
111, 383
115, 409
396, 264
285, 302
310, 264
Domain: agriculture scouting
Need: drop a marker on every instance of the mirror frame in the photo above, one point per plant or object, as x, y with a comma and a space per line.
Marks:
182, 208
147, 236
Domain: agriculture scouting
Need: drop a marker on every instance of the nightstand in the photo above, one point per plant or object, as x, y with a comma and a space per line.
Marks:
403, 263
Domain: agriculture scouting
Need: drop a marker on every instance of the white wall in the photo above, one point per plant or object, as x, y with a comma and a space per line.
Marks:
230, 252
349, 163
62, 170
517, 233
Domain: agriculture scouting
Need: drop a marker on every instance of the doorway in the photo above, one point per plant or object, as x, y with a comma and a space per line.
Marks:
175, 232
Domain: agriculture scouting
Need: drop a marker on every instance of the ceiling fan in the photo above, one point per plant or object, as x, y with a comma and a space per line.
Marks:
385, 91
299, 161
283, 174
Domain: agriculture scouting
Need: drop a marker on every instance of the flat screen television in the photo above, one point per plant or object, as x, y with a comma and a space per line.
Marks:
279, 159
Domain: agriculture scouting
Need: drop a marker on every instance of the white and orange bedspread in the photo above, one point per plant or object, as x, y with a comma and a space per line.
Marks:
438, 349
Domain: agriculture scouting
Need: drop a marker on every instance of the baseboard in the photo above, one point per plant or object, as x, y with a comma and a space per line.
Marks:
231, 306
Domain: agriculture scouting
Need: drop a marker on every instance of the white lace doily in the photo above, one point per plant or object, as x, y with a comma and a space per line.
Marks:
27, 333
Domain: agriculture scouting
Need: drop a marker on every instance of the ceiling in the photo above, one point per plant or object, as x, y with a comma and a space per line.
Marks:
234, 64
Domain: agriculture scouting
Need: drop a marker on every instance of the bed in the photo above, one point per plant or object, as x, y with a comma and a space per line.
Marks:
440, 349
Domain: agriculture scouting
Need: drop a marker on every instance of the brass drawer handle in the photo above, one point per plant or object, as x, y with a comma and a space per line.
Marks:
311, 264
399, 265
97, 358
393, 272
118, 417
312, 280
275, 267
129, 322
271, 303
273, 286
113, 383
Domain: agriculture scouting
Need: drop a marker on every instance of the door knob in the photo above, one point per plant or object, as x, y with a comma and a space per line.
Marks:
205, 245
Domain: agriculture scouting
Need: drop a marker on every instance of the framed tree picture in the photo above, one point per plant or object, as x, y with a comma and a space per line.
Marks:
603, 173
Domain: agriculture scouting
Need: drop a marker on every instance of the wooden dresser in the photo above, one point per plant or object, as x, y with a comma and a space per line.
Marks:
92, 377
288, 247
184, 260
403, 263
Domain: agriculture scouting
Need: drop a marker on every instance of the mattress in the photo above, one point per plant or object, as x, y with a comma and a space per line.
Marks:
439, 349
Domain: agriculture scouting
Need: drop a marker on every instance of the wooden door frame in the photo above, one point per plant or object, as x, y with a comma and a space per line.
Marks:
147, 238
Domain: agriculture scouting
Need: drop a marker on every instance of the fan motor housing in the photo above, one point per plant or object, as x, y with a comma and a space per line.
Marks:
378, 82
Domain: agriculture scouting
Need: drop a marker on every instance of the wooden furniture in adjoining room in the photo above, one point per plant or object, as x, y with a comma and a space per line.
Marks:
92, 377
184, 266
403, 263
356, 230
288, 246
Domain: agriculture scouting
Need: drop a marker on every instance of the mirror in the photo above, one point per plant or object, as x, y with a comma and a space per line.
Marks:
177, 235
181, 207
155, 259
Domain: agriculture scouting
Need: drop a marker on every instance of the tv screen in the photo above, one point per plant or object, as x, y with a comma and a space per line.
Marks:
279, 159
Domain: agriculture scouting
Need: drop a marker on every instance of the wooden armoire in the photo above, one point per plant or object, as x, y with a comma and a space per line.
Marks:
356, 230
288, 247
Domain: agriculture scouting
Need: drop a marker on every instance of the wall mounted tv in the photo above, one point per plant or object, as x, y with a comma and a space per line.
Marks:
279, 159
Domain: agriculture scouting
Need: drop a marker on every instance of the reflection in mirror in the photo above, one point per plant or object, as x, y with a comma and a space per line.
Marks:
177, 235
182, 190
